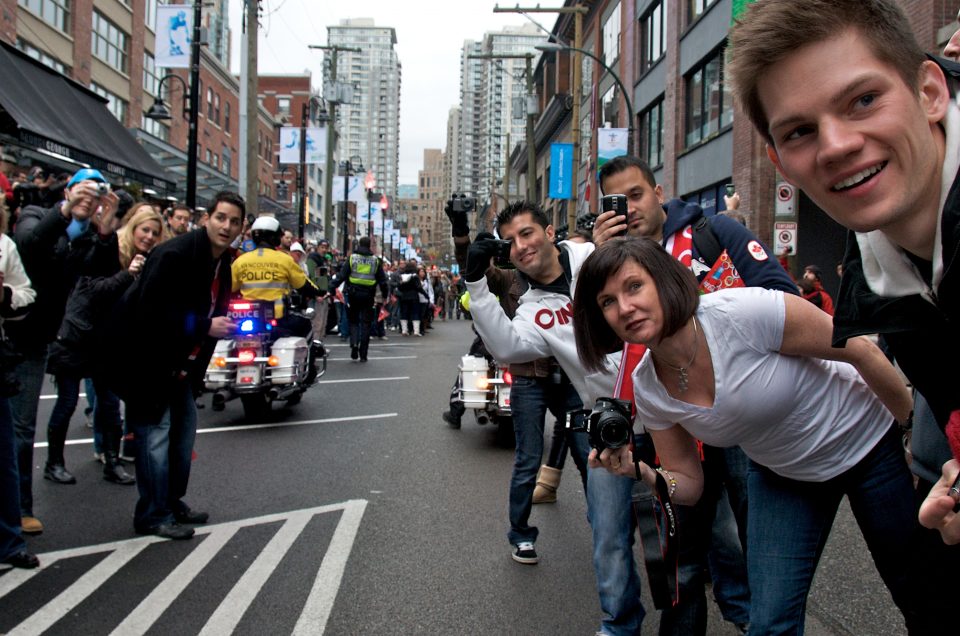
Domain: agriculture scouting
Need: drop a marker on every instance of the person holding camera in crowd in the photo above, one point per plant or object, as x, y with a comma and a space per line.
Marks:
180, 299
542, 328
539, 386
822, 425
887, 171
57, 246
77, 351
715, 249
18, 297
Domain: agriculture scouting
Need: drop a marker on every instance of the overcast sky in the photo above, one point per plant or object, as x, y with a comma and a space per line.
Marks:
430, 35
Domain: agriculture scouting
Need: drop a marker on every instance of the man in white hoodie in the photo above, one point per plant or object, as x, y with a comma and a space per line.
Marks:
543, 327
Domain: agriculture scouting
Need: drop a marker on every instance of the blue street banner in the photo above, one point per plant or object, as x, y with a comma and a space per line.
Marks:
174, 29
561, 171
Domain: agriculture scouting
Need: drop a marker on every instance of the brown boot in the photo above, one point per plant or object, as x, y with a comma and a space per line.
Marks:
548, 479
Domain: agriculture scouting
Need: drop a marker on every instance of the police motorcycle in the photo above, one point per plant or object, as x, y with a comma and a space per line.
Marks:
484, 386
260, 366
262, 362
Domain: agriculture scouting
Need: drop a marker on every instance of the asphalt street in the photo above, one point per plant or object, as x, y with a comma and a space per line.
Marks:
357, 511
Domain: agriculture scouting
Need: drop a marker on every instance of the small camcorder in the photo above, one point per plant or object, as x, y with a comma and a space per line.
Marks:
502, 258
463, 203
617, 203
608, 425
731, 190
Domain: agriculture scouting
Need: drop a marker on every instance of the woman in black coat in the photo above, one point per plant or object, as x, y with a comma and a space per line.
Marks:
409, 293
78, 348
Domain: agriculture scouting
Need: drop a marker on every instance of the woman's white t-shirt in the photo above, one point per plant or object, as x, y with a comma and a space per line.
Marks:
804, 418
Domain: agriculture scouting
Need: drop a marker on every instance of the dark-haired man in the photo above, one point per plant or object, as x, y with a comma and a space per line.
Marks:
178, 221
180, 300
541, 328
873, 138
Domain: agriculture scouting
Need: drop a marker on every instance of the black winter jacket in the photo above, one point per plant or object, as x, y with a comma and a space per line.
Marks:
54, 263
164, 316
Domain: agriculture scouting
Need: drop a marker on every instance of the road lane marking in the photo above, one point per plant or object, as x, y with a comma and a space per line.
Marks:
156, 603
396, 377
63, 604
374, 345
380, 358
232, 608
316, 610
314, 614
252, 427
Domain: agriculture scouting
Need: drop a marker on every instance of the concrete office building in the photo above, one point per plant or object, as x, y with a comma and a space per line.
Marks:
369, 125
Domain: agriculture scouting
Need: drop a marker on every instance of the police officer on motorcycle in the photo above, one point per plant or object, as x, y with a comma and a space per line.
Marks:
362, 272
267, 273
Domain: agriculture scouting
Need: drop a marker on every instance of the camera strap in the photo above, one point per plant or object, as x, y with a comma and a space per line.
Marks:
657, 522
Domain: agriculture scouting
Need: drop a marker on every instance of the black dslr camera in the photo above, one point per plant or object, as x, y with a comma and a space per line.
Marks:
462, 203
608, 425
502, 258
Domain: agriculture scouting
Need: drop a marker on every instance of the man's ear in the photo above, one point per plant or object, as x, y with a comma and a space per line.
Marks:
775, 160
934, 94
551, 233
659, 192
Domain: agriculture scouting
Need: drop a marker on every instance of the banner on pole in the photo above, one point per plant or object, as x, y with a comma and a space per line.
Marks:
611, 142
561, 171
290, 145
355, 192
174, 36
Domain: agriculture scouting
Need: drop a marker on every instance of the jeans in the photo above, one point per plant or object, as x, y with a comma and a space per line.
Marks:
91, 412
343, 325
609, 510
23, 409
789, 522
164, 449
68, 396
107, 423
728, 566
530, 398
11, 540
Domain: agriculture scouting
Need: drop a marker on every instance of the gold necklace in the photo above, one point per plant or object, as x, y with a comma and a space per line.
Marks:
682, 372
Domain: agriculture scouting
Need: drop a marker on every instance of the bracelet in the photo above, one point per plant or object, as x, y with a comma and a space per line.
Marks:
671, 480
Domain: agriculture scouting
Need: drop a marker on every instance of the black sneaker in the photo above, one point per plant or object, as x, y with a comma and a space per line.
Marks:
523, 552
354, 353
168, 531
450, 419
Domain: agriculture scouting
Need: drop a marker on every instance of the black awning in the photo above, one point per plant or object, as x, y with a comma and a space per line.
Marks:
44, 109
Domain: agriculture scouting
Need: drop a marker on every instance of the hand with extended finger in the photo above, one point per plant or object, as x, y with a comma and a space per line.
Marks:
478, 257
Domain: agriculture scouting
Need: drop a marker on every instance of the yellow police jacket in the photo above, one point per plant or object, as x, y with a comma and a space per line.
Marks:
267, 274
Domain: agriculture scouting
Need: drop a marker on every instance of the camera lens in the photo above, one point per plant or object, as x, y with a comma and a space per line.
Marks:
613, 429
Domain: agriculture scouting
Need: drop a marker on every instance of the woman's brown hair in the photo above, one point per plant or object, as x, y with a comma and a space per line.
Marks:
676, 289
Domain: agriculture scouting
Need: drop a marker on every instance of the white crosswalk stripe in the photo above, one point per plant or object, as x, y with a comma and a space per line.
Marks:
233, 607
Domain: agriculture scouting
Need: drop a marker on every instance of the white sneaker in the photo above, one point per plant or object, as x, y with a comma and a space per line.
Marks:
523, 552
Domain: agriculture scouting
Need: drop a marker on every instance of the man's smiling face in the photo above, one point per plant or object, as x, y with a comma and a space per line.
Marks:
856, 140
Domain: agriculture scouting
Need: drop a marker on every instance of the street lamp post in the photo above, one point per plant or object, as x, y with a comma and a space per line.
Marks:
553, 46
159, 109
348, 167
369, 183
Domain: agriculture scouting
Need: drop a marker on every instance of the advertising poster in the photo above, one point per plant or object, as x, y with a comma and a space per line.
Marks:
174, 30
